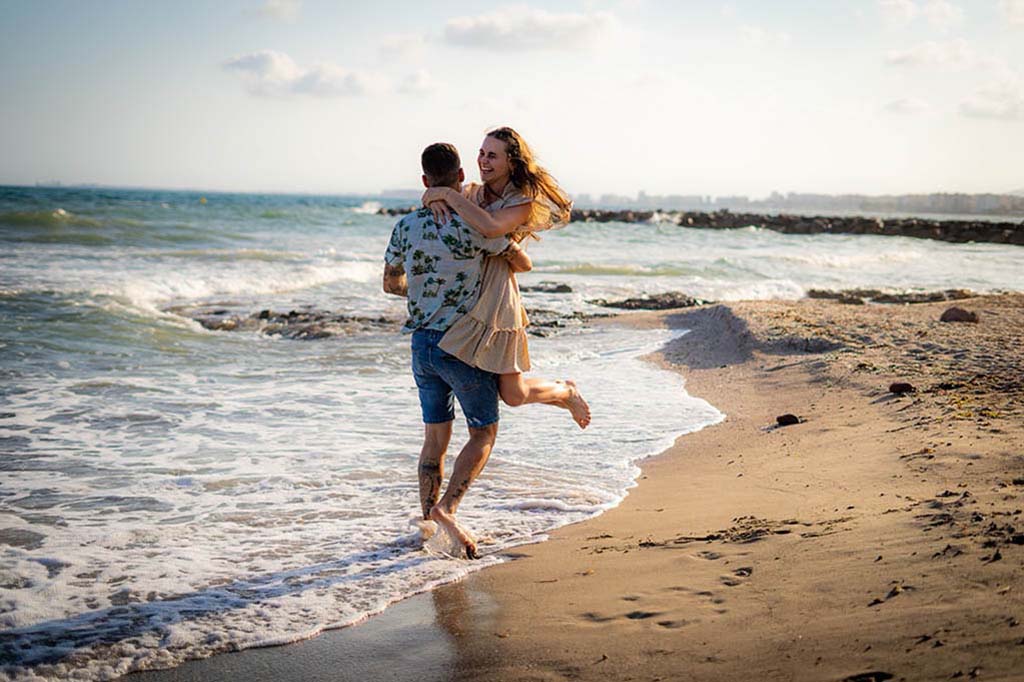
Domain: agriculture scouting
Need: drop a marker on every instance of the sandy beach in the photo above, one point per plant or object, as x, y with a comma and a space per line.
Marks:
879, 538
221, 225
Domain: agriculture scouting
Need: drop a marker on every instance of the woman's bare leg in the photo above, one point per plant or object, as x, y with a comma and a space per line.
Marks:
516, 390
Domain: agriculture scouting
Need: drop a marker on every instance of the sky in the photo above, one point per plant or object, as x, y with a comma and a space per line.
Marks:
667, 97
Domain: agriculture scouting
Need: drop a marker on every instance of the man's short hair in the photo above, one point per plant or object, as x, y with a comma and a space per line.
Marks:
441, 164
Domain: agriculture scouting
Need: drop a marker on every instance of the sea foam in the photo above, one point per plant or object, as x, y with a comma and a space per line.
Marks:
206, 546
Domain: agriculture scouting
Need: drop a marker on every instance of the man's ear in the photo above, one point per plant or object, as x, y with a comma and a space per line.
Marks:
426, 183
462, 175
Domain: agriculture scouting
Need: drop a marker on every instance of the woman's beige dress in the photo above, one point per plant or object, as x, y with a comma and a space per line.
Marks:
492, 335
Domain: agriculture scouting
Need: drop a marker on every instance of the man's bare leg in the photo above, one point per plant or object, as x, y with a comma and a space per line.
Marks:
431, 469
515, 390
468, 465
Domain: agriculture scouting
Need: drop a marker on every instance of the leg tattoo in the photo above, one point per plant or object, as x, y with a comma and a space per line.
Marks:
457, 492
430, 486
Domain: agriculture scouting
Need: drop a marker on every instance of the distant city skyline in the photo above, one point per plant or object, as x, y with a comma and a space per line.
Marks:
736, 97
1008, 204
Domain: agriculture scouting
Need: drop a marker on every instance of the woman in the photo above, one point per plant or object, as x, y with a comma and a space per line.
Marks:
517, 198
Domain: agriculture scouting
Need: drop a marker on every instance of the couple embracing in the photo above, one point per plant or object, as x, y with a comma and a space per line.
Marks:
455, 260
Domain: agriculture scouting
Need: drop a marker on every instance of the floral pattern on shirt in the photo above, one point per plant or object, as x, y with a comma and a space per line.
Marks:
442, 265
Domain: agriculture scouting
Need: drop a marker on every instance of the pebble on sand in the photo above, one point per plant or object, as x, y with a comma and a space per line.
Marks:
955, 314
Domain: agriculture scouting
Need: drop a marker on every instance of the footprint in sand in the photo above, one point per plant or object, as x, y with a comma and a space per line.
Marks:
673, 624
595, 618
642, 615
734, 579
712, 597
873, 676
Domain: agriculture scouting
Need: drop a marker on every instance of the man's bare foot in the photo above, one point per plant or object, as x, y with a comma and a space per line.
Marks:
577, 406
447, 521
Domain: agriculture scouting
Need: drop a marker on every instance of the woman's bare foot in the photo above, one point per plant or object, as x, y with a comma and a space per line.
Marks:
447, 521
577, 406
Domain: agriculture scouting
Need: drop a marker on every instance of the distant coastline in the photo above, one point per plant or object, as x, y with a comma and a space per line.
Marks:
958, 231
1009, 204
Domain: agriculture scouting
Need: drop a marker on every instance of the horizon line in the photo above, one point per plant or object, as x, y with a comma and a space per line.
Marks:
381, 193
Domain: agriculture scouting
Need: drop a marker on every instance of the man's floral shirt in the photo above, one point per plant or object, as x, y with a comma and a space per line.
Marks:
442, 265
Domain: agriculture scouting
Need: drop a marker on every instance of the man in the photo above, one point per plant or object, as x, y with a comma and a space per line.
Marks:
437, 267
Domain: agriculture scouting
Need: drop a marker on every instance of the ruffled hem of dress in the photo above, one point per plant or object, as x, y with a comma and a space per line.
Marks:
502, 351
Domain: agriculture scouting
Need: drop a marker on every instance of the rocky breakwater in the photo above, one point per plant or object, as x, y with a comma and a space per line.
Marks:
960, 231
862, 296
294, 324
665, 301
310, 325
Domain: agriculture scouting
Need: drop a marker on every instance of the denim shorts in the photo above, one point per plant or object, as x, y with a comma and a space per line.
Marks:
440, 376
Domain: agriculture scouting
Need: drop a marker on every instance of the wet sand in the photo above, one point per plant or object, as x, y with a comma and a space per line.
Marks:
882, 537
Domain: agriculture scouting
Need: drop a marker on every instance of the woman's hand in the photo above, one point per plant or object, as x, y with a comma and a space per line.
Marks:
435, 198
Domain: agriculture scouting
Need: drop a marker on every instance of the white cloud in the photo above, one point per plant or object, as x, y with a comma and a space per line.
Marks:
493, 112
942, 14
950, 53
907, 105
755, 35
1013, 11
997, 69
898, 11
398, 46
1001, 100
268, 72
283, 10
418, 83
521, 27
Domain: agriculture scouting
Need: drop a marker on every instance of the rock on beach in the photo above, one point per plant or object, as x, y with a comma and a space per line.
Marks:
666, 301
955, 314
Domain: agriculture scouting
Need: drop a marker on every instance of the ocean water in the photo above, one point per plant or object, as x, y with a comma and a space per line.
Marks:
171, 492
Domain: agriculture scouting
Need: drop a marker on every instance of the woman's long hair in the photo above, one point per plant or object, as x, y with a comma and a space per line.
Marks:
534, 181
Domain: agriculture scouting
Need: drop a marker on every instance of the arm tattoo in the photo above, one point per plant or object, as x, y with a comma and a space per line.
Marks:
395, 281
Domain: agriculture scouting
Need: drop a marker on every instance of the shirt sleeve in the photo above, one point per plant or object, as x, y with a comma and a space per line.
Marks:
472, 239
395, 254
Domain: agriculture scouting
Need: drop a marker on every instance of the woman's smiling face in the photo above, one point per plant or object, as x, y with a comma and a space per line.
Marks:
493, 161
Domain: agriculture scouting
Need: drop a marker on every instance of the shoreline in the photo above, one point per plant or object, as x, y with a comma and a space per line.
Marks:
414, 611
837, 547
